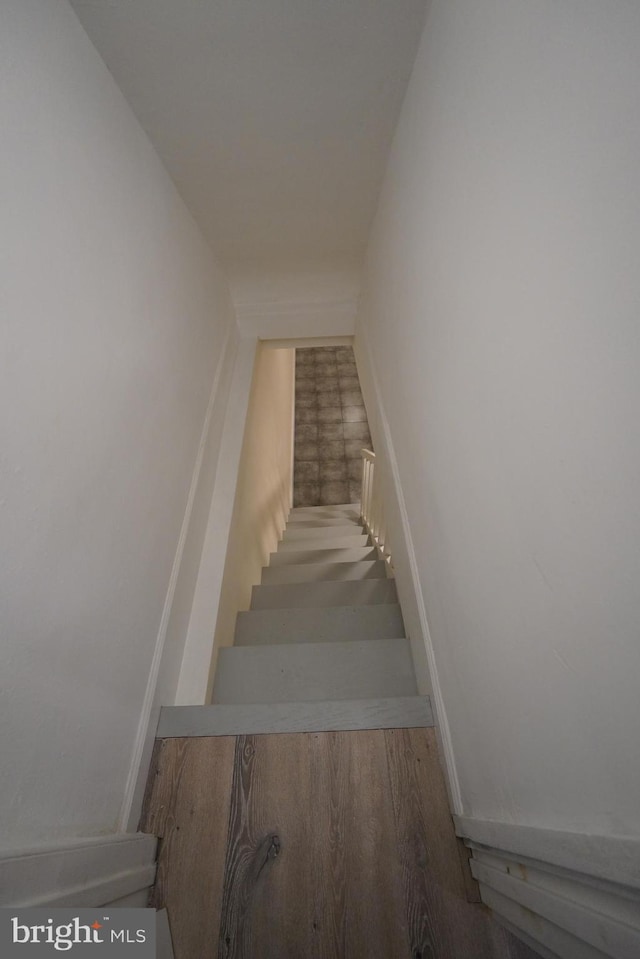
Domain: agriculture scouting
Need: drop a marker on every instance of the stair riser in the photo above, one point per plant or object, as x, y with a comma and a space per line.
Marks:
338, 542
315, 556
330, 625
337, 510
316, 523
319, 572
315, 595
321, 532
314, 672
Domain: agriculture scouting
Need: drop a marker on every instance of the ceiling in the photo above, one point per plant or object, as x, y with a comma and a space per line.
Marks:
274, 117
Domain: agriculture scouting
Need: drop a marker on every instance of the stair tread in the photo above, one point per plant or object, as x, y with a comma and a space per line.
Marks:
319, 572
328, 624
358, 669
321, 594
235, 720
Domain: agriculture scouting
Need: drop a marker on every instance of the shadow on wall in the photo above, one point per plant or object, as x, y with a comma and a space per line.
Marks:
330, 427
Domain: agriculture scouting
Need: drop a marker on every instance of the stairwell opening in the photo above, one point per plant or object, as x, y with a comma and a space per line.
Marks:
331, 427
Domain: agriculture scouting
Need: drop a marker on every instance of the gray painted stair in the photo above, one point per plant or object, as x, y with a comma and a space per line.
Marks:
315, 572
237, 720
328, 542
340, 554
323, 646
332, 624
309, 523
336, 593
322, 532
371, 669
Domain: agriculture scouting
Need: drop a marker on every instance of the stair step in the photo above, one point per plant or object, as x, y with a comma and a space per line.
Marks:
316, 572
321, 594
321, 532
339, 555
307, 523
331, 624
396, 713
369, 669
328, 542
335, 508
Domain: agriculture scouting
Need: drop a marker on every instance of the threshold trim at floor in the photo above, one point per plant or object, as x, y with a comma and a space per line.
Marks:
233, 720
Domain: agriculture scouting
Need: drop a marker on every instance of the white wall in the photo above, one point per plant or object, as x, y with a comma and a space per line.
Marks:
114, 318
264, 491
272, 304
501, 309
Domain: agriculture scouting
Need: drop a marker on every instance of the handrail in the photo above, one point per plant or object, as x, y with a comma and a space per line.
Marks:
372, 507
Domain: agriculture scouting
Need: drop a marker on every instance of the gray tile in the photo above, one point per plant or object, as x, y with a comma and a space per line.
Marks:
326, 366
351, 398
327, 384
330, 414
354, 469
307, 494
346, 368
331, 493
306, 472
306, 416
305, 357
331, 449
347, 383
355, 492
305, 384
345, 352
308, 432
353, 448
324, 350
331, 431
307, 451
357, 431
332, 471
354, 414
306, 401
327, 399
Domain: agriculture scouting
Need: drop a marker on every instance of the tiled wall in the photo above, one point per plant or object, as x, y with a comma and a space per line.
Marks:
331, 427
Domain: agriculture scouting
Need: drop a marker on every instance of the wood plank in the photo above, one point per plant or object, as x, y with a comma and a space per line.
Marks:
188, 808
441, 921
328, 845
268, 873
359, 910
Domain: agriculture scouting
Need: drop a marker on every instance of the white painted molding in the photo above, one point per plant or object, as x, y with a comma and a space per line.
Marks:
195, 673
78, 872
299, 318
569, 895
409, 587
612, 858
145, 735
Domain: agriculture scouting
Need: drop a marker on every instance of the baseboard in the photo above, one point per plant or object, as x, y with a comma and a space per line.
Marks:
406, 569
569, 895
165, 665
79, 872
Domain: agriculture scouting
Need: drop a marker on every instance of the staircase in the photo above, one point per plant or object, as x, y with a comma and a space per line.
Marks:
322, 646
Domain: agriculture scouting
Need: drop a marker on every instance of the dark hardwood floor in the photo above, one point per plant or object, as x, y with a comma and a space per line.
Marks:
313, 846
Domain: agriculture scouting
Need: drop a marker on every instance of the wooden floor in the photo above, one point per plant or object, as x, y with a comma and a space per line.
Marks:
332, 845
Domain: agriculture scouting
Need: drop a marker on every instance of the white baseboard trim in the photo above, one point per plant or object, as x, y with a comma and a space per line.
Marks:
79, 872
570, 895
143, 744
407, 576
